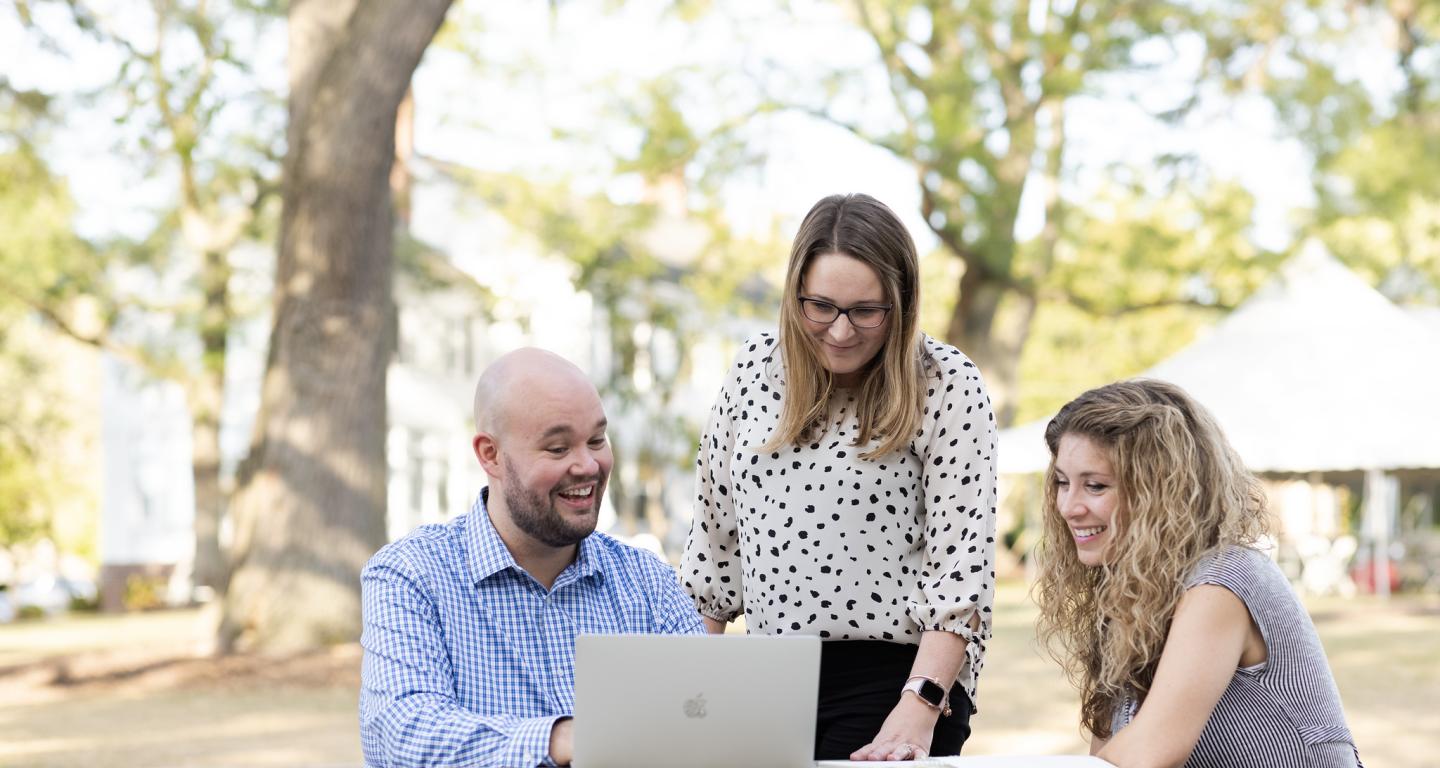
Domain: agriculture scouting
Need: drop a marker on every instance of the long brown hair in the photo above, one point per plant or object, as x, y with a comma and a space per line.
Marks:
891, 394
1183, 492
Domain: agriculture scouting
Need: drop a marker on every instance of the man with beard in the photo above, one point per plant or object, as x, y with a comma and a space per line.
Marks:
470, 625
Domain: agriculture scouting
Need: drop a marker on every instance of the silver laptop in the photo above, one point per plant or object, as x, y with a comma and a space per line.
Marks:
700, 701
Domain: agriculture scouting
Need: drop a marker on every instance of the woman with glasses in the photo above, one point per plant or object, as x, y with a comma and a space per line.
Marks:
846, 489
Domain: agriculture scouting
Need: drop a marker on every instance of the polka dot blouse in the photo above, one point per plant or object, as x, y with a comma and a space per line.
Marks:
812, 539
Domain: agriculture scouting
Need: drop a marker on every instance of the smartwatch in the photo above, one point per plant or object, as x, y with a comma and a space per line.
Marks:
929, 691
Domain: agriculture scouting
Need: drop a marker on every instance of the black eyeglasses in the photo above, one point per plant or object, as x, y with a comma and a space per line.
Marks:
863, 316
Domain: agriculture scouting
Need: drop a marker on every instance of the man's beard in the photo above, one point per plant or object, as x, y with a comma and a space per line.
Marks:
536, 514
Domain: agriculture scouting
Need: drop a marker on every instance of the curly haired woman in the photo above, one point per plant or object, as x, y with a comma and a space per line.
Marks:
1186, 642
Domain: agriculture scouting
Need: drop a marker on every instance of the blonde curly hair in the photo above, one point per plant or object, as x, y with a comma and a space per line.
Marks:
1183, 493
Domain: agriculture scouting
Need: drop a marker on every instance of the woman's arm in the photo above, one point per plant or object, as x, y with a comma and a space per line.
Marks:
956, 450
710, 564
713, 626
1210, 632
912, 721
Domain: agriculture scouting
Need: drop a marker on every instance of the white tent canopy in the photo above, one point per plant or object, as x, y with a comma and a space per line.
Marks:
1315, 372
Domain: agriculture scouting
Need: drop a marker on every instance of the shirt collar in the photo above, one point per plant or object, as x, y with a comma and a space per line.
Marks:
488, 554
587, 563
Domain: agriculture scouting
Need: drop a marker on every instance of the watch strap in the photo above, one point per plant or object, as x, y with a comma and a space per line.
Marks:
930, 692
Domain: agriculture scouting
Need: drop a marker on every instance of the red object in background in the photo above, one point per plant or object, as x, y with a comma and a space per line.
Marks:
1363, 575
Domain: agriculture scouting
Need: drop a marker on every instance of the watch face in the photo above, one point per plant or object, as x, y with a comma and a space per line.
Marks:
931, 692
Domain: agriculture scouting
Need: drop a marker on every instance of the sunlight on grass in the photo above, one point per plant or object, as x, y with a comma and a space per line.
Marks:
27, 641
1385, 657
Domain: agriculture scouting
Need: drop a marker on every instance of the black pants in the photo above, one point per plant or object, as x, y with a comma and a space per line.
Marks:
860, 683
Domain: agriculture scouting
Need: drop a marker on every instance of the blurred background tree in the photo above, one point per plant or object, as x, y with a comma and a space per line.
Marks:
1361, 91
186, 106
661, 269
1092, 327
310, 509
981, 94
1055, 262
37, 248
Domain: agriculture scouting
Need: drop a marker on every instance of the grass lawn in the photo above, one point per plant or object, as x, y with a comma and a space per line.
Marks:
138, 690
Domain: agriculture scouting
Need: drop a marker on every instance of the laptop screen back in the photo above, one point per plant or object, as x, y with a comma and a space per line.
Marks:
695, 700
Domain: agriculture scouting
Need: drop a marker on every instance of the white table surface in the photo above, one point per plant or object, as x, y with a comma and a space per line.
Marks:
1008, 761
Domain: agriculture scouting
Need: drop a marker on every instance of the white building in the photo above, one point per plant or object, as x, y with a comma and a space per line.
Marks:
467, 289
148, 504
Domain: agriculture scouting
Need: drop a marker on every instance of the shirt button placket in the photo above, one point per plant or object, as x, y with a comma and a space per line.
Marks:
542, 631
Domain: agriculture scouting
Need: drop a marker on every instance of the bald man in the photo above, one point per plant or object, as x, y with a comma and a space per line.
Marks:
470, 625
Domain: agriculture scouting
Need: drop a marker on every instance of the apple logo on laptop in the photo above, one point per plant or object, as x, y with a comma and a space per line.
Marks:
695, 708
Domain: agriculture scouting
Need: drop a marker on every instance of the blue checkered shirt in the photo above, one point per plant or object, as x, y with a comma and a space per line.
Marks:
469, 661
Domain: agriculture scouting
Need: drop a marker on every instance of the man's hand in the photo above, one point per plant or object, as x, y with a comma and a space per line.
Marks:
562, 745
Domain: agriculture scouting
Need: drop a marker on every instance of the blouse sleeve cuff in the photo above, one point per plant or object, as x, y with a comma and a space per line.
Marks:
963, 621
716, 613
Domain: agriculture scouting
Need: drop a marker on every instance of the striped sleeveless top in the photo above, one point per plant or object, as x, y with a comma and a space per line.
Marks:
1285, 711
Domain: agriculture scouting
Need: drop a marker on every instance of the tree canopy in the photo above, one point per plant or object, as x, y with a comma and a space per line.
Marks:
1076, 230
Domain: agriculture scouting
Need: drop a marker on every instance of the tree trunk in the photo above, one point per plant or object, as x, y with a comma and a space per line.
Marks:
995, 319
989, 324
210, 567
206, 395
311, 507
992, 314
